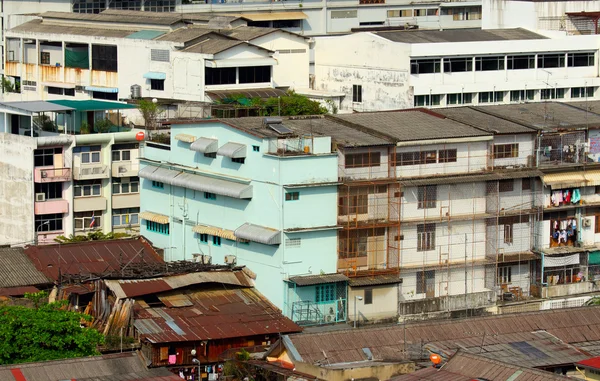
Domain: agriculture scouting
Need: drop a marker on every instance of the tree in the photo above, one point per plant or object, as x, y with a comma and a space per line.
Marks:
91, 236
46, 332
150, 111
594, 301
103, 125
293, 104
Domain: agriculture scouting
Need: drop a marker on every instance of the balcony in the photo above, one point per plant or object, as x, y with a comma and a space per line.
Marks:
56, 206
125, 168
559, 290
52, 175
89, 204
91, 171
131, 200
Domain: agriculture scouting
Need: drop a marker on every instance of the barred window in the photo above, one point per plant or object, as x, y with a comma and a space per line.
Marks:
427, 196
425, 237
160, 55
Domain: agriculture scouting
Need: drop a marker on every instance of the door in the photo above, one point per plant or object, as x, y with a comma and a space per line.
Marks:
14, 124
430, 284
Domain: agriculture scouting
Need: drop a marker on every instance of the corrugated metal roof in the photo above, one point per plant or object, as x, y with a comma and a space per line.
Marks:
272, 16
213, 44
205, 145
492, 176
565, 180
260, 234
593, 363
232, 150
125, 17
197, 182
17, 270
37, 106
17, 291
146, 34
459, 35
310, 280
212, 230
473, 116
216, 314
154, 217
375, 280
92, 257
37, 26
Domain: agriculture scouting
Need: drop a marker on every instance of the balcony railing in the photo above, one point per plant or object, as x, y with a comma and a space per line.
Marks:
88, 172
52, 175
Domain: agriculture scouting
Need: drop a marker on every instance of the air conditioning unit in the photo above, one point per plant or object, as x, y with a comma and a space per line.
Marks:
39, 197
44, 174
587, 223
122, 169
202, 258
230, 259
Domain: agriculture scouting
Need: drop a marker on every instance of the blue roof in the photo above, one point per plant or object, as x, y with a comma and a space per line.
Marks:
146, 34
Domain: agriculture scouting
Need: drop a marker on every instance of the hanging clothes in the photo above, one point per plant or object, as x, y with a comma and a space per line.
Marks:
576, 196
563, 224
567, 196
555, 225
559, 198
562, 236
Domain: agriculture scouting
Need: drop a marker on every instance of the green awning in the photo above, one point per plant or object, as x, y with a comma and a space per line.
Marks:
594, 258
93, 105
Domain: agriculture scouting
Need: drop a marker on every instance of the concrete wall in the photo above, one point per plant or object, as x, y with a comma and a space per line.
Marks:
357, 371
16, 188
526, 144
384, 306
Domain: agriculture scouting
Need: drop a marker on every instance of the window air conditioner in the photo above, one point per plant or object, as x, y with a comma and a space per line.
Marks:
587, 222
39, 197
230, 259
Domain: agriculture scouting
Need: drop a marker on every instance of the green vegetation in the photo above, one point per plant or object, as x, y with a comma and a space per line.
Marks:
46, 332
103, 125
150, 111
291, 104
91, 236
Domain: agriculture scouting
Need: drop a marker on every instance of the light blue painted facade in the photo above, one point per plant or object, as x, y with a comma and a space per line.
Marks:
312, 217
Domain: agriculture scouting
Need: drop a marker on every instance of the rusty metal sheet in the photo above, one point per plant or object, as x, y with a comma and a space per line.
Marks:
17, 291
177, 300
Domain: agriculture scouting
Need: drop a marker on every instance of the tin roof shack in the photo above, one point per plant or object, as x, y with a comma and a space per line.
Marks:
18, 275
209, 312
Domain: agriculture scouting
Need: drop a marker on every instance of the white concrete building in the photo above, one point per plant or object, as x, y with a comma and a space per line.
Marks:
63, 55
406, 69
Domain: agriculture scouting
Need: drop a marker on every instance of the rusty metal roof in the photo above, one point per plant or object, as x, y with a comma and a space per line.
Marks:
311, 280
92, 257
17, 270
17, 291
573, 326
375, 280
214, 314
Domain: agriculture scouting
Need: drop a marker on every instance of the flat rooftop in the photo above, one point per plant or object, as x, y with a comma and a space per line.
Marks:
458, 35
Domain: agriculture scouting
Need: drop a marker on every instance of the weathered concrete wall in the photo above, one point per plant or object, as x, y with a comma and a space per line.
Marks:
451, 303
16, 189
373, 371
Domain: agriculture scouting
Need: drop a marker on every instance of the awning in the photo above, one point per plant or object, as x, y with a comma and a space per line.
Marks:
564, 180
567, 260
311, 280
155, 75
154, 217
93, 105
36, 106
592, 178
233, 150
258, 234
273, 16
205, 145
594, 258
266, 61
185, 138
211, 230
102, 89
61, 85
197, 182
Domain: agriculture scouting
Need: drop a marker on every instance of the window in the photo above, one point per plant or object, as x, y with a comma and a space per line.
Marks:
282, 24
125, 185
582, 92
239, 160
423, 278
489, 63
105, 96
156, 227
368, 296
48, 222
597, 225
159, 55
580, 59
468, 13
216, 240
210, 196
219, 76
255, 74
157, 184
362, 160
506, 185
293, 242
87, 188
520, 62
125, 216
354, 203
426, 196
69, 92
159, 5
546, 61
491, 96
292, 196
203, 238
45, 156
457, 65
55, 90
122, 155
344, 14
504, 274
414, 158
399, 13
459, 98
88, 154
505, 151
104, 58
45, 58
552, 93
325, 293
357, 93
521, 95
508, 233
51, 191
425, 237
526, 184
428, 100
212, 155
425, 66
255, 149
447, 155
83, 220
157, 84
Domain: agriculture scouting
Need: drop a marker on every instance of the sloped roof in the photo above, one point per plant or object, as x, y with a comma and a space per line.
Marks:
214, 314
419, 36
125, 17
38, 26
16, 270
93, 257
473, 116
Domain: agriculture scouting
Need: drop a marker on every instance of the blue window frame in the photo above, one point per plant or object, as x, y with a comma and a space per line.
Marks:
292, 196
216, 240
157, 184
210, 196
256, 148
156, 227
203, 238
325, 293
